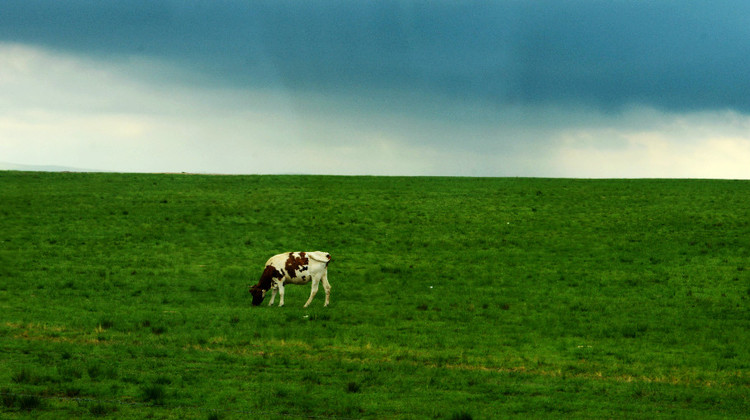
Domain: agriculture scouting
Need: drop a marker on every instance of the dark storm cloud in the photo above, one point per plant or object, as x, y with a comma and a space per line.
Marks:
673, 55
670, 54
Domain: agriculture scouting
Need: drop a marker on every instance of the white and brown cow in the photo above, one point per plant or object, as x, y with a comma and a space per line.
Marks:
294, 268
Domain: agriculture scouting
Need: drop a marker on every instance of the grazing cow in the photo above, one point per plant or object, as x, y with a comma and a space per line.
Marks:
294, 268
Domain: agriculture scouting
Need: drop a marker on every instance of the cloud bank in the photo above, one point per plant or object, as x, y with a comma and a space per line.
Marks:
509, 88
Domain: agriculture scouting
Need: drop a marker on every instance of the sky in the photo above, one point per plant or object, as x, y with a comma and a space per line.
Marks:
520, 88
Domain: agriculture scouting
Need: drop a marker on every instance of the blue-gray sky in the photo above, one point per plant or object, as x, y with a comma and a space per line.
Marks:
487, 88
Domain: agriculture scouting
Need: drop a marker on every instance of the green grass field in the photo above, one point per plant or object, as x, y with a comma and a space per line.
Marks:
125, 296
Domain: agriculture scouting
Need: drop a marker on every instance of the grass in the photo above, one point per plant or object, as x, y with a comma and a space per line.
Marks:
125, 296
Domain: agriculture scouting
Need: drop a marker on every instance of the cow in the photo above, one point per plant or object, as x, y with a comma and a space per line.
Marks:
293, 268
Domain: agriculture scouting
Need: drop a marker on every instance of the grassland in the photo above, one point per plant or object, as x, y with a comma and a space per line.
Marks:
125, 296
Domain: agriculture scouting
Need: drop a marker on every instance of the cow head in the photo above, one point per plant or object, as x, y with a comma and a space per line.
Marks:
258, 294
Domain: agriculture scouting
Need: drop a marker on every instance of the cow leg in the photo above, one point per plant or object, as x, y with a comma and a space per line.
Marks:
327, 288
313, 290
274, 288
281, 294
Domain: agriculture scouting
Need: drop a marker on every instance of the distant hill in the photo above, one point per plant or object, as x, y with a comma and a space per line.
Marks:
6, 166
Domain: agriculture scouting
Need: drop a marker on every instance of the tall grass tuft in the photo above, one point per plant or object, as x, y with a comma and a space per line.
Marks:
352, 387
153, 393
461, 415
101, 410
